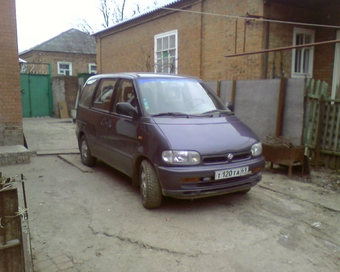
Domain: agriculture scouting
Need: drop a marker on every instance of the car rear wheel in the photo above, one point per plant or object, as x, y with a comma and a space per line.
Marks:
85, 153
150, 188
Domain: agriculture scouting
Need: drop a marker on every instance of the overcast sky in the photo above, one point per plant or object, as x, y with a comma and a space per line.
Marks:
41, 20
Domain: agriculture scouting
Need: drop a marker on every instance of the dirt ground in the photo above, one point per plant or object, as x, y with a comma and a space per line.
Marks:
91, 219
321, 177
325, 178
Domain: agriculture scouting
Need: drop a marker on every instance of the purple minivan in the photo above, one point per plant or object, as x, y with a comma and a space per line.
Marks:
171, 134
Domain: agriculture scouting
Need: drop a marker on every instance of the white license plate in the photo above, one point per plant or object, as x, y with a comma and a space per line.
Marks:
236, 172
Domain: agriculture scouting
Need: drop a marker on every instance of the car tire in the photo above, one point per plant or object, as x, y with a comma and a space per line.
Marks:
85, 153
150, 188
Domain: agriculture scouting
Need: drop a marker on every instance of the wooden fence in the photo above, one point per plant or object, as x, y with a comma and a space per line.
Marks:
15, 244
322, 125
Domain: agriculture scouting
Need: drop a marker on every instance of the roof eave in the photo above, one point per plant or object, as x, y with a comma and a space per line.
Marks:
152, 15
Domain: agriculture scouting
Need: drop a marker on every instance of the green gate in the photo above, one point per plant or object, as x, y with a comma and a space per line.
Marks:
36, 91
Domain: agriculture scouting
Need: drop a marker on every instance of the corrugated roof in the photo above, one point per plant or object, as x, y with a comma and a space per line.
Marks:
138, 16
70, 41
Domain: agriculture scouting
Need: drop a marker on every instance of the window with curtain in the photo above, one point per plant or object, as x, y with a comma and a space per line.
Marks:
166, 52
302, 58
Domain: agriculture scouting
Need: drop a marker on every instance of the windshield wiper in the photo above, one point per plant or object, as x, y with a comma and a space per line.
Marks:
219, 111
182, 114
176, 114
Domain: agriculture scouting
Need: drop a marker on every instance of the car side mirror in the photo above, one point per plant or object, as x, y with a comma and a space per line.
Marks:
126, 109
230, 106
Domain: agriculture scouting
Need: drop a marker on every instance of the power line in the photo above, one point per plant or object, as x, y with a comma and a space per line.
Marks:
252, 18
284, 48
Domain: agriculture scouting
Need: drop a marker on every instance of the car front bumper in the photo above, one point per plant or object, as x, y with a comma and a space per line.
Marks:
189, 182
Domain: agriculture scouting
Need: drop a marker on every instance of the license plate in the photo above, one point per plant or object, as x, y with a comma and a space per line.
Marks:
231, 173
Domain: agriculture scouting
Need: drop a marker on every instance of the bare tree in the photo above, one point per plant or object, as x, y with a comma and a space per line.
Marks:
113, 12
144, 60
122, 12
105, 11
84, 26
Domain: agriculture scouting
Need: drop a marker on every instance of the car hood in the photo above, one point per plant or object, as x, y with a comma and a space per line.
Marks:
207, 135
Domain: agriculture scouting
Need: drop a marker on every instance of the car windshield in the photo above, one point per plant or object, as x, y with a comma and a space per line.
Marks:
177, 97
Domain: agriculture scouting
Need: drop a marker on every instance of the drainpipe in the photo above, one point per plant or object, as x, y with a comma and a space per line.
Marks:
201, 38
265, 39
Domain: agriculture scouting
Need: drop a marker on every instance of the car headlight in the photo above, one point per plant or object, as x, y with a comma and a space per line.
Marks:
256, 149
181, 157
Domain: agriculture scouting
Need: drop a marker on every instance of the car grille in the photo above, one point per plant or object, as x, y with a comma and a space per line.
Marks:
241, 156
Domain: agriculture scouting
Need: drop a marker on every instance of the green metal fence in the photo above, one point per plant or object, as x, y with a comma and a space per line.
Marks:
36, 90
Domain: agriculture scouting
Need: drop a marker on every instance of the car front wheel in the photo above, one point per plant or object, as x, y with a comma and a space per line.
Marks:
150, 188
85, 153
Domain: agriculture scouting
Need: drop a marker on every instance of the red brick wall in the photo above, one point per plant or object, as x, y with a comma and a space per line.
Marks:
11, 132
79, 61
325, 54
281, 35
71, 90
203, 42
128, 50
222, 34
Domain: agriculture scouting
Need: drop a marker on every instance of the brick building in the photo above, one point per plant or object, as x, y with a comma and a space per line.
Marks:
194, 37
12, 150
11, 131
71, 53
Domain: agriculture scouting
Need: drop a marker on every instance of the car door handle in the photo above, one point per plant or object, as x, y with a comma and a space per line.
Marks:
106, 123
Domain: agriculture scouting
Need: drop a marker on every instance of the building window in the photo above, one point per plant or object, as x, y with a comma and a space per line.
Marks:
166, 52
92, 68
65, 68
302, 58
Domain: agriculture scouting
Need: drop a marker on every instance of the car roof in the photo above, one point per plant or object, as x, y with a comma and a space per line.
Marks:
133, 75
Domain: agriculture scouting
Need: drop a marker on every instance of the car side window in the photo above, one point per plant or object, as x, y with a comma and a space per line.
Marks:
86, 95
102, 99
125, 93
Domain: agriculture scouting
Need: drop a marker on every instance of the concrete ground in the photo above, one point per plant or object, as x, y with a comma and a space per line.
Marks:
48, 136
91, 219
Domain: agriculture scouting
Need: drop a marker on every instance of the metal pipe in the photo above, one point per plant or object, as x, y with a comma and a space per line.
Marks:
283, 48
244, 36
236, 21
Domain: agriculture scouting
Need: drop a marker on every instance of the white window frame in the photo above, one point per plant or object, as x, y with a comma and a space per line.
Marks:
161, 61
304, 51
336, 68
63, 71
91, 70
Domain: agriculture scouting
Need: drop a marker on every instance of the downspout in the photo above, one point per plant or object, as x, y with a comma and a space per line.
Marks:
265, 39
201, 39
101, 56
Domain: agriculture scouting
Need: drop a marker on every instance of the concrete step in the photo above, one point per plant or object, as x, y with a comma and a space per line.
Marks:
14, 154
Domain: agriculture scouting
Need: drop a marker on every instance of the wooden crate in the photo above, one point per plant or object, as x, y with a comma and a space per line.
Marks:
283, 155
15, 243
11, 251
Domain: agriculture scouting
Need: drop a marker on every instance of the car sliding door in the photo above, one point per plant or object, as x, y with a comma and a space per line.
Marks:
122, 133
102, 105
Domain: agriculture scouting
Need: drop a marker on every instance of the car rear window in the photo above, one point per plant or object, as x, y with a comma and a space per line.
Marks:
86, 95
